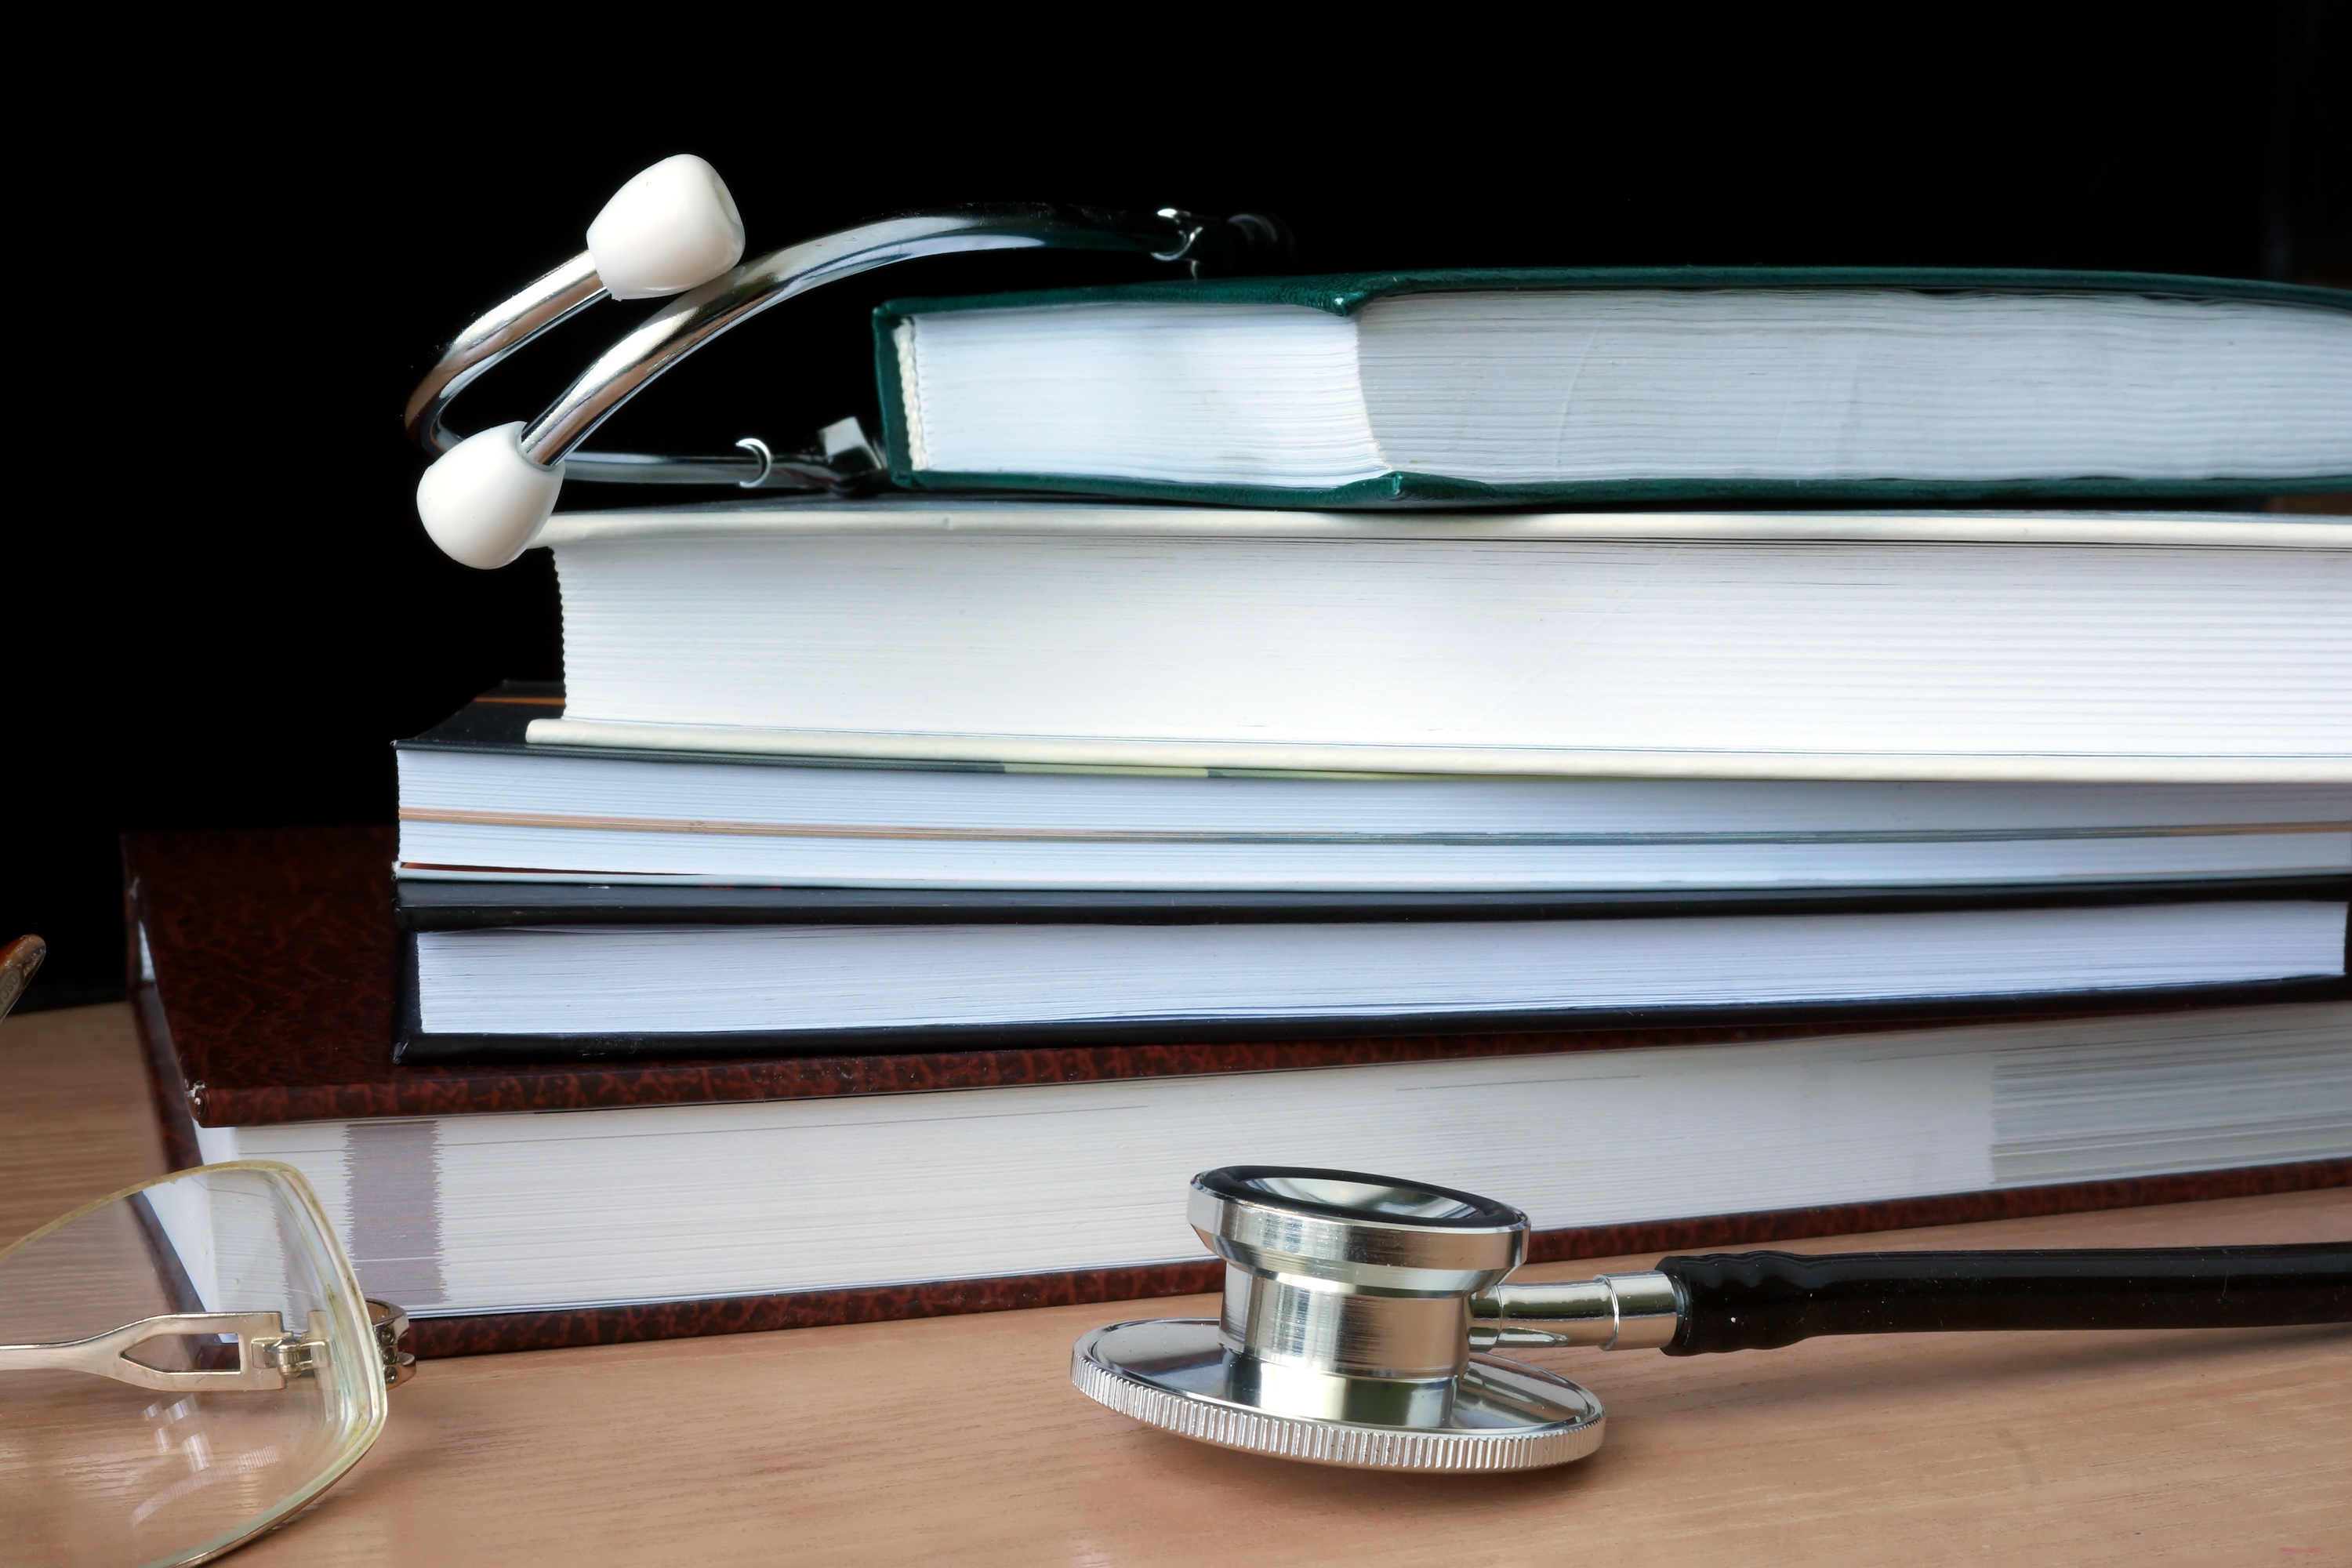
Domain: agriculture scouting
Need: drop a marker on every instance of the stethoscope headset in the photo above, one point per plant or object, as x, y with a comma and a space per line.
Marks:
1360, 1312
673, 233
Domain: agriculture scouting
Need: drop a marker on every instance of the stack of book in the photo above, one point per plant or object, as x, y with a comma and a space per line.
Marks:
1357, 731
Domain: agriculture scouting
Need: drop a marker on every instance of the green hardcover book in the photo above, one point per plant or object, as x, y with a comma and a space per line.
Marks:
1618, 385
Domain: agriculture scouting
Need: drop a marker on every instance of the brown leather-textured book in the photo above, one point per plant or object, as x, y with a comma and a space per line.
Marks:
534, 1204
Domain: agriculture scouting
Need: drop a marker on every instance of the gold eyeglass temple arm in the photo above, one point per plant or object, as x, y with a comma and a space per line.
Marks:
267, 1351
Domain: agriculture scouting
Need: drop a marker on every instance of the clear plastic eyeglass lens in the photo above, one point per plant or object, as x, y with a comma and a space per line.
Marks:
125, 1440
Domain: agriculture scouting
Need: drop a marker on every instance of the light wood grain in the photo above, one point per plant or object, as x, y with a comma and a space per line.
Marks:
75, 1120
962, 1439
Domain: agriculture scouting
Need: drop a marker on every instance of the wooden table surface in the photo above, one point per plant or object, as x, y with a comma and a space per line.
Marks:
961, 1439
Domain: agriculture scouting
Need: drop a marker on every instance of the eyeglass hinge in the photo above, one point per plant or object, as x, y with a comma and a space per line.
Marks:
390, 1323
296, 1355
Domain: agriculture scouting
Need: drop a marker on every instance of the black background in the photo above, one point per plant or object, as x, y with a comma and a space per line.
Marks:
218, 606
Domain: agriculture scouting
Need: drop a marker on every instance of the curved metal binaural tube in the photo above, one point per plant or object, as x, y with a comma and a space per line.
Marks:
696, 318
554, 297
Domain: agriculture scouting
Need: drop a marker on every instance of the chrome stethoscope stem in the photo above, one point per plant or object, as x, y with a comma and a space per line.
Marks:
1610, 1312
547, 302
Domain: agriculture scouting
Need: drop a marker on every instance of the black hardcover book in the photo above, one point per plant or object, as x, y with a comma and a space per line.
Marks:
537, 972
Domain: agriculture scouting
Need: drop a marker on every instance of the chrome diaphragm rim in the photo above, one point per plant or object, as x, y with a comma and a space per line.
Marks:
1172, 1374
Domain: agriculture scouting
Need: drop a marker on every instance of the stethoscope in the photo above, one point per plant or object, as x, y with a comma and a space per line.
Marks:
673, 230
1359, 1315
1359, 1312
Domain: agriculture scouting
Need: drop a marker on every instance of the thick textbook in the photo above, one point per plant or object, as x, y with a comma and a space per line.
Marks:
1626, 385
1859, 646
478, 803
532, 1204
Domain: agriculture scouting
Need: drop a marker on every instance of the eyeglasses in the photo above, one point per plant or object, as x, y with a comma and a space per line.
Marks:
182, 1366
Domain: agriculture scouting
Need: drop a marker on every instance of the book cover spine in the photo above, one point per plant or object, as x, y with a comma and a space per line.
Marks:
167, 1086
897, 453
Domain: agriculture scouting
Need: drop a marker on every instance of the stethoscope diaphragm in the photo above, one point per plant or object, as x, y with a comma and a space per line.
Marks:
1177, 1374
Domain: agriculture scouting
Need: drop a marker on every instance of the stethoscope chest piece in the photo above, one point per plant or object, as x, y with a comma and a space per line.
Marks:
1346, 1333
1177, 1374
1359, 1311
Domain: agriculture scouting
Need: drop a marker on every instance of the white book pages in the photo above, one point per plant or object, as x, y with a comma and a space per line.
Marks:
1819, 384
485, 1213
1262, 394
1447, 654
687, 979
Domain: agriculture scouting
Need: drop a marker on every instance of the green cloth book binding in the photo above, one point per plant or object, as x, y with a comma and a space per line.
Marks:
1610, 386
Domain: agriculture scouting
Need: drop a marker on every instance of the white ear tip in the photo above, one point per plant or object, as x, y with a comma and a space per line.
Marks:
483, 501
671, 228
